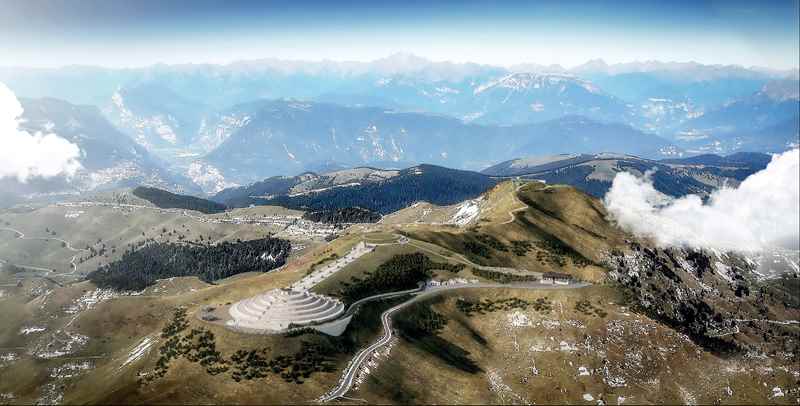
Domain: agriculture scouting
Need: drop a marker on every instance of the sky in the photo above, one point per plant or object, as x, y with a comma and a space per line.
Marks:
51, 33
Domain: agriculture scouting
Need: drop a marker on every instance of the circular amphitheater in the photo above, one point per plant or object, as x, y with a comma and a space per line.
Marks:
278, 309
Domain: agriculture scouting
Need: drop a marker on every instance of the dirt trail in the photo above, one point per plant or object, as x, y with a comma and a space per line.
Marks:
67, 245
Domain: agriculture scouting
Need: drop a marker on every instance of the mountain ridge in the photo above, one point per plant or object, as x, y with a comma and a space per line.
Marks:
385, 193
594, 173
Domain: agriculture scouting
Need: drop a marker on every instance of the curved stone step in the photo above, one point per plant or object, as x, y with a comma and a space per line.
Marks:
275, 310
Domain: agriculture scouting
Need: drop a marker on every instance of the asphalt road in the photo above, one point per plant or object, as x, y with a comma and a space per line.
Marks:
351, 371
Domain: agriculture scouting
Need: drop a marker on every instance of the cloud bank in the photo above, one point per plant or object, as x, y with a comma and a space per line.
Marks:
762, 213
24, 155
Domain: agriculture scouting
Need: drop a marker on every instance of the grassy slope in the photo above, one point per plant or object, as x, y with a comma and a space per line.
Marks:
114, 227
657, 364
411, 375
552, 212
116, 326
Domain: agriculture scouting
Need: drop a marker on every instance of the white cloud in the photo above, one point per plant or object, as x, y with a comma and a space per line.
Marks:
762, 213
24, 155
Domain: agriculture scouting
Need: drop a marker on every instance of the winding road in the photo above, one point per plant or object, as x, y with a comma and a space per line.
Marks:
354, 306
351, 370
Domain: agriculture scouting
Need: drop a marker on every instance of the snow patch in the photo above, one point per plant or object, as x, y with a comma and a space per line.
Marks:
70, 370
467, 212
8, 358
208, 177
519, 319
289, 154
73, 214
139, 351
88, 300
567, 347
503, 391
58, 344
32, 329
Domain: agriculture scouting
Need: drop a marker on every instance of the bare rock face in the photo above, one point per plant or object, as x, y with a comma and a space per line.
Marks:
715, 298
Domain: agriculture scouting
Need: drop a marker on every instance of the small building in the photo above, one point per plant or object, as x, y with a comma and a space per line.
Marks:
556, 278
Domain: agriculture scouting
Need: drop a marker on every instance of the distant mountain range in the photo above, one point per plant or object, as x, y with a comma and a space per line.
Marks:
225, 125
513, 98
157, 117
385, 191
480, 93
594, 173
225, 85
289, 137
767, 120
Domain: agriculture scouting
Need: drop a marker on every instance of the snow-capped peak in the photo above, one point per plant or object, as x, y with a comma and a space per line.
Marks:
527, 80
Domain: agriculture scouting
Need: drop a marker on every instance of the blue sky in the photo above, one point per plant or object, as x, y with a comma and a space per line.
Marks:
144, 32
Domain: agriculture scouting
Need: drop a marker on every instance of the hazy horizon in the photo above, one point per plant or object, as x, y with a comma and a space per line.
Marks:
48, 34
395, 54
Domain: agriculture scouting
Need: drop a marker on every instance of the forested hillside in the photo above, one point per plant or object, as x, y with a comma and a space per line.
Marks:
344, 215
428, 183
168, 200
242, 196
138, 269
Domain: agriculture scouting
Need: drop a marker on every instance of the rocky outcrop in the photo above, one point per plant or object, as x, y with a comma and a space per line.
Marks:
715, 298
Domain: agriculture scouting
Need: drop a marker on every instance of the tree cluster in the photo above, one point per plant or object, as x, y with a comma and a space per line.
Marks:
401, 272
543, 305
586, 307
343, 215
199, 346
502, 277
138, 269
